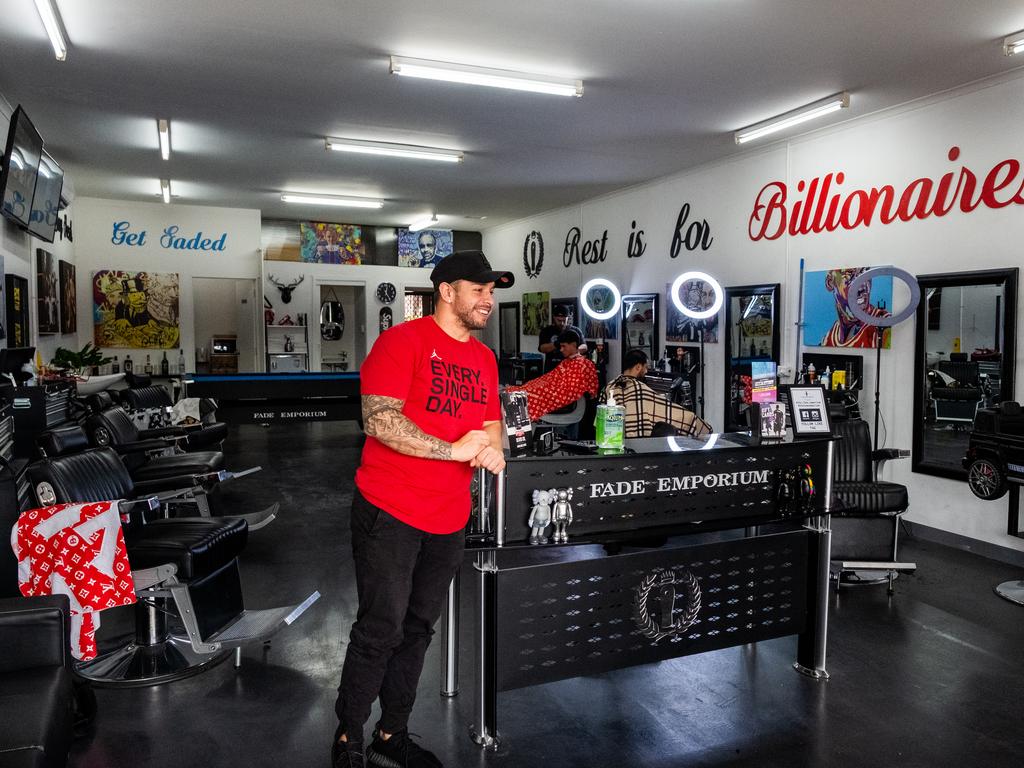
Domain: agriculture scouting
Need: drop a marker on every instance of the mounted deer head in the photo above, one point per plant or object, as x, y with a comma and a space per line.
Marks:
286, 290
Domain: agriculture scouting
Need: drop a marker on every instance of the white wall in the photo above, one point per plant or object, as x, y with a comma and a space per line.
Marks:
96, 249
894, 148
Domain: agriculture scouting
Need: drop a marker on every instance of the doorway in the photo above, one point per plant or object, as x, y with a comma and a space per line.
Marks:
343, 345
225, 306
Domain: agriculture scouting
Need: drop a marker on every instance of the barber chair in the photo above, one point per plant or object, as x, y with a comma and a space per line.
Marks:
957, 394
184, 568
866, 519
566, 420
179, 478
198, 437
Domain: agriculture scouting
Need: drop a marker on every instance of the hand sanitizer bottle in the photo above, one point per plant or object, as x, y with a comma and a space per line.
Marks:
610, 425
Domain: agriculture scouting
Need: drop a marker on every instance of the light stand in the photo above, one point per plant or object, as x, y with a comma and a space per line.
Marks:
879, 339
700, 397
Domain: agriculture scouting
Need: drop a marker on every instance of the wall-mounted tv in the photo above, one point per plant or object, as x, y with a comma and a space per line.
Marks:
46, 200
20, 166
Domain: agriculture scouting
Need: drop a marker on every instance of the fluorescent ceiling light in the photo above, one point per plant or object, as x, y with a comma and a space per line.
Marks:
495, 78
1014, 44
423, 223
165, 189
342, 202
54, 27
163, 128
795, 117
394, 150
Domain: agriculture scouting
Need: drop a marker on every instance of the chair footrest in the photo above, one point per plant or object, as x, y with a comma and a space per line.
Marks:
253, 626
873, 565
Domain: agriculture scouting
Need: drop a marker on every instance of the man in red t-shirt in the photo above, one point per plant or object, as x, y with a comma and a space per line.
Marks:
431, 414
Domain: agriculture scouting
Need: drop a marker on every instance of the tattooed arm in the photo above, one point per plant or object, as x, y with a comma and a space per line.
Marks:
383, 419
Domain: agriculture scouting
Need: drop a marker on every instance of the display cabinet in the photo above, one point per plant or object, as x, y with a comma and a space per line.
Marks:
287, 348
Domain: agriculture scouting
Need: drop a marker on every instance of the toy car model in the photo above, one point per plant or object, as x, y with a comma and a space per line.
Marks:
995, 453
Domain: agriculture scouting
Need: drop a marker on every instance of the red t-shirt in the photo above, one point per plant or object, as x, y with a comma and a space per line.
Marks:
449, 387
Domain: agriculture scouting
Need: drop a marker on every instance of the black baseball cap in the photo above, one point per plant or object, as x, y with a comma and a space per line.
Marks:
569, 336
560, 310
472, 266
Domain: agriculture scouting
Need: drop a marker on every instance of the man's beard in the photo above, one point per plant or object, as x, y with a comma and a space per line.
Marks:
469, 319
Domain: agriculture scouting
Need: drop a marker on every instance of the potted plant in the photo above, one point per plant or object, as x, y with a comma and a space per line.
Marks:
80, 363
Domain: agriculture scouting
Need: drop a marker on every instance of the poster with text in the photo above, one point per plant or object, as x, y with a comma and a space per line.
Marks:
325, 243
424, 248
828, 320
68, 298
47, 311
696, 295
135, 310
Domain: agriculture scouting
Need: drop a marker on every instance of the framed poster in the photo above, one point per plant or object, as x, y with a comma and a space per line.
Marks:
423, 248
809, 411
773, 420
536, 312
135, 310
47, 312
68, 298
828, 321
3, 302
17, 310
326, 243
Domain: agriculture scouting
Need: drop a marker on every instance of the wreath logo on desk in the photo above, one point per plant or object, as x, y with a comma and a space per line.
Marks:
670, 625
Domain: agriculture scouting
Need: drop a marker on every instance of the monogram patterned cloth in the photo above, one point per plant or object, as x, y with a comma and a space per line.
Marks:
565, 384
75, 550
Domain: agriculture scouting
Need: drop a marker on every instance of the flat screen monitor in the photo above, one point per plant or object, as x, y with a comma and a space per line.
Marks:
46, 200
20, 166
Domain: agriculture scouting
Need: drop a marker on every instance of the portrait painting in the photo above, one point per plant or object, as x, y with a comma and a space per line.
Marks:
424, 248
326, 243
696, 295
536, 312
68, 298
828, 319
135, 310
47, 310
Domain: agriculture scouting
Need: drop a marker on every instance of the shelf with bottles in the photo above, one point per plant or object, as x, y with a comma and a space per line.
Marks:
287, 340
144, 363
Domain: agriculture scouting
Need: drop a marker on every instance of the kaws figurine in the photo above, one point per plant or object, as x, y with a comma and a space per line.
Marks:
540, 515
562, 514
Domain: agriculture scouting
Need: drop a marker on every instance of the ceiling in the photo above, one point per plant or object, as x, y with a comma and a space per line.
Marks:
252, 88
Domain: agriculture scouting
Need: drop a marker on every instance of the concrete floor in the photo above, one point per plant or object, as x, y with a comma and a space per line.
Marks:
930, 677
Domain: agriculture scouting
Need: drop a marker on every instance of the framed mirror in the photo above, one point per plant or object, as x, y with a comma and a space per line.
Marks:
508, 329
640, 325
963, 360
751, 335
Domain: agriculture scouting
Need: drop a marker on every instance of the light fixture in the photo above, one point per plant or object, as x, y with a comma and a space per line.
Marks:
341, 202
165, 189
702, 314
585, 299
54, 27
163, 129
388, 149
794, 117
495, 78
423, 223
1014, 44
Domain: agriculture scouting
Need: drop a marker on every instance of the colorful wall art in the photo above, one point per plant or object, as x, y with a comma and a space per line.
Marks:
325, 243
135, 310
828, 320
68, 298
424, 248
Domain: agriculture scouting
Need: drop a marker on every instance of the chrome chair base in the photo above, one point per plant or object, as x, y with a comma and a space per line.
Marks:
136, 665
1011, 590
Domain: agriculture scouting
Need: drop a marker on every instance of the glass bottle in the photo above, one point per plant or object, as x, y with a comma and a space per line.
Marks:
129, 366
181, 362
115, 367
165, 367
148, 370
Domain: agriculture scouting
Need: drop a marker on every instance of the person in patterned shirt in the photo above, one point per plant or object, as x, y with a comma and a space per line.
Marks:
572, 378
644, 407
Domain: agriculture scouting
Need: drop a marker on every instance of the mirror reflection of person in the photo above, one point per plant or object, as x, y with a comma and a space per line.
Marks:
566, 383
548, 336
848, 330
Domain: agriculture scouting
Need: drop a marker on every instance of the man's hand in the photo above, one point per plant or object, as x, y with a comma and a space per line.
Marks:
490, 458
469, 445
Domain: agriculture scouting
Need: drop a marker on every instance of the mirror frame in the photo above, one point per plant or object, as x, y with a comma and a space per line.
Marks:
501, 314
1008, 278
653, 345
774, 289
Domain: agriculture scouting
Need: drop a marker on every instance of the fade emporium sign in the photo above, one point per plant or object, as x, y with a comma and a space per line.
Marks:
822, 204
679, 483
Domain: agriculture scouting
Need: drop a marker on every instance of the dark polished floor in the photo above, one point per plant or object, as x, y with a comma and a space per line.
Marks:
932, 677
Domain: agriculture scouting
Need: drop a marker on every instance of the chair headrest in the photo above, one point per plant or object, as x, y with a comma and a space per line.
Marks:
1010, 408
136, 380
100, 401
63, 441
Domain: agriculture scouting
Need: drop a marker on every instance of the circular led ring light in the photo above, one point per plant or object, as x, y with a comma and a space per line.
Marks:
703, 314
600, 281
895, 318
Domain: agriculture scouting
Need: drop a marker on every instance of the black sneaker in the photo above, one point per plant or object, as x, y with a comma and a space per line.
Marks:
400, 751
347, 754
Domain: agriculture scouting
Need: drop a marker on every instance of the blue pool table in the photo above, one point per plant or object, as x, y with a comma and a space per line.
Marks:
266, 398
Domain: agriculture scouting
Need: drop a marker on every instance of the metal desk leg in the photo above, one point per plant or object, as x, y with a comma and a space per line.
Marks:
813, 642
484, 730
450, 658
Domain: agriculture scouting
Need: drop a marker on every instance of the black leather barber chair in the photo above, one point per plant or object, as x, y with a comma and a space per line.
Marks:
866, 520
184, 568
188, 478
198, 437
956, 391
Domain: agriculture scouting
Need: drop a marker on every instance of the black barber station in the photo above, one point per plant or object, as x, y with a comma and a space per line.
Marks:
744, 547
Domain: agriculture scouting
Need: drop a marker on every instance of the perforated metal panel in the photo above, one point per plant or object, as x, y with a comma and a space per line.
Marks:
566, 619
617, 493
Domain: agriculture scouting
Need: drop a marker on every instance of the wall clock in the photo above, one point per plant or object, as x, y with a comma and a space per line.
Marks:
386, 293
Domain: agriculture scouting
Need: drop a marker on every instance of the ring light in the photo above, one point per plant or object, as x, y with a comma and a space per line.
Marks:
616, 304
896, 317
703, 314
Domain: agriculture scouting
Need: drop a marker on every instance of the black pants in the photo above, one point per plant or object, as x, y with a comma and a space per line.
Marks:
402, 578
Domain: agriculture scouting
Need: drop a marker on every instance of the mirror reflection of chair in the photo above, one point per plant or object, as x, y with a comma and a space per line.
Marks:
956, 390
865, 527
184, 567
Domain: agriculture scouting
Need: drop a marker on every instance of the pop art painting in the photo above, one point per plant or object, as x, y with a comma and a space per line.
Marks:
828, 320
135, 310
325, 243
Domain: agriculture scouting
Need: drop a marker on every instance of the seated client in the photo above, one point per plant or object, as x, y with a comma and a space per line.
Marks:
565, 383
644, 407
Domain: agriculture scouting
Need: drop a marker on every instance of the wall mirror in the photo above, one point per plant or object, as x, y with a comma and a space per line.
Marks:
751, 334
963, 361
640, 325
508, 329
